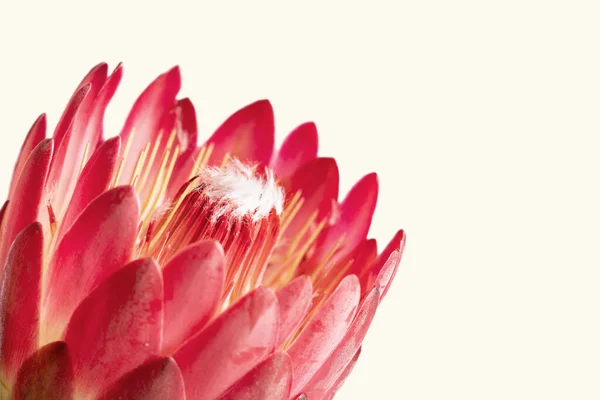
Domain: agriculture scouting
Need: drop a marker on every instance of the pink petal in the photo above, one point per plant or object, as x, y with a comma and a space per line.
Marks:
100, 242
318, 180
299, 147
3, 212
187, 128
91, 85
343, 376
193, 285
36, 134
157, 379
47, 375
271, 379
230, 346
117, 327
386, 264
331, 369
28, 194
19, 299
94, 124
94, 180
319, 197
364, 257
249, 135
144, 120
330, 393
294, 301
85, 130
325, 330
356, 213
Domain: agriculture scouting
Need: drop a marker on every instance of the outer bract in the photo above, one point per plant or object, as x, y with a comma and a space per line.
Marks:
146, 267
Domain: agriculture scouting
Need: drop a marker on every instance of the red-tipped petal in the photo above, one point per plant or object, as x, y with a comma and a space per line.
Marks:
86, 91
28, 195
324, 332
19, 299
157, 379
271, 379
248, 135
146, 116
117, 327
331, 369
298, 148
47, 375
193, 284
95, 179
231, 346
356, 213
294, 301
36, 134
385, 266
100, 241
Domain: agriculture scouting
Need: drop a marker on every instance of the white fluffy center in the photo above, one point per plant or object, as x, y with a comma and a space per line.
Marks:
240, 191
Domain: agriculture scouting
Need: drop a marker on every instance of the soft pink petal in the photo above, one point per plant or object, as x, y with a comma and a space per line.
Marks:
117, 327
324, 332
342, 378
248, 135
157, 379
146, 116
271, 379
28, 195
19, 299
298, 148
94, 180
385, 266
36, 134
85, 131
294, 301
99, 243
90, 85
47, 375
230, 346
193, 285
331, 369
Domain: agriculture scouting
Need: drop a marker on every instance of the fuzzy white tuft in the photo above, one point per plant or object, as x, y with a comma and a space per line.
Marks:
239, 191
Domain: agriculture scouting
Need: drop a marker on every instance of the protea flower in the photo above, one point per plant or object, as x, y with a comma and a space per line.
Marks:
145, 267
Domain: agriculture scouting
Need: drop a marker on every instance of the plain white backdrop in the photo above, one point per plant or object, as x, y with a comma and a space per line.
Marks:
482, 119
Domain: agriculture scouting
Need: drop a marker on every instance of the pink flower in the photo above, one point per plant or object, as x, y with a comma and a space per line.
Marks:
145, 267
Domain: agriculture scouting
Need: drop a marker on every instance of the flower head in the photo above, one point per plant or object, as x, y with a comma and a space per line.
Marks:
145, 266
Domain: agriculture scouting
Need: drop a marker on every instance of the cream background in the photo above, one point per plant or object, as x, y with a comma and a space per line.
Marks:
481, 118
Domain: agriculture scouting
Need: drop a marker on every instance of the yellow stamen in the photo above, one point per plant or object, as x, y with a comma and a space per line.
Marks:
139, 165
325, 260
84, 159
150, 162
